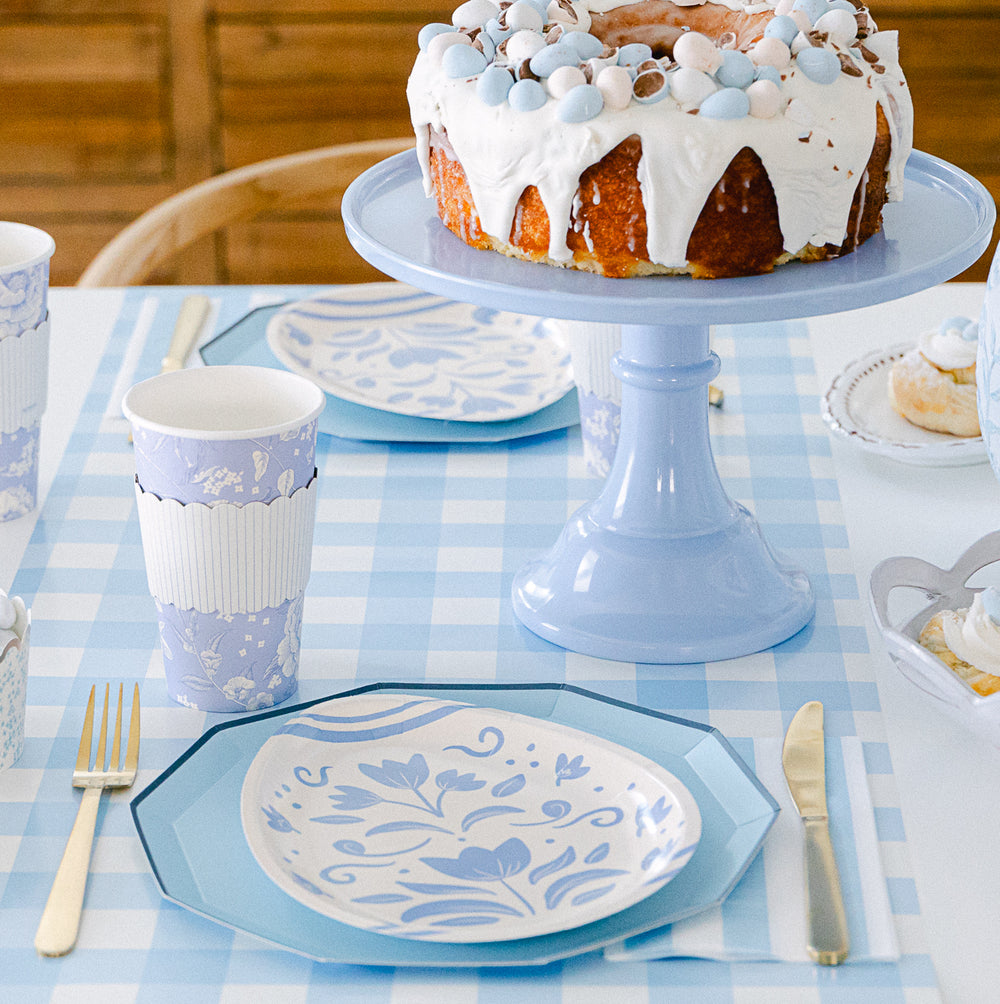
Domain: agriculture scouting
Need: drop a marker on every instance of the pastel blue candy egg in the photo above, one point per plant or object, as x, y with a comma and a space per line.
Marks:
634, 53
729, 103
526, 96
496, 31
542, 6
991, 604
958, 323
487, 45
582, 103
771, 73
737, 69
819, 65
813, 9
493, 85
551, 58
782, 27
429, 31
462, 61
587, 46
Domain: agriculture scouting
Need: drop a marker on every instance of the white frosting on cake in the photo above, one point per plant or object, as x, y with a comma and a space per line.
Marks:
815, 148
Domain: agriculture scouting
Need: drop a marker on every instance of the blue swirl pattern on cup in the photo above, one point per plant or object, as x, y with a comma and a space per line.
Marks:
988, 366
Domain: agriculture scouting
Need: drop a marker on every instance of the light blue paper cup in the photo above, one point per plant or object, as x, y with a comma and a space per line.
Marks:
24, 276
18, 471
230, 439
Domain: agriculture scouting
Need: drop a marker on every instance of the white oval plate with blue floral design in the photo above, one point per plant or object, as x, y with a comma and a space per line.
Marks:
438, 821
393, 347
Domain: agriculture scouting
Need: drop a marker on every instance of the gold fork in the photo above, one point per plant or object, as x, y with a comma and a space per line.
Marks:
61, 918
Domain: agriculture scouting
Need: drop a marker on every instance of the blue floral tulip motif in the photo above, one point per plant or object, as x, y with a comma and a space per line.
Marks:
410, 776
479, 864
649, 817
569, 770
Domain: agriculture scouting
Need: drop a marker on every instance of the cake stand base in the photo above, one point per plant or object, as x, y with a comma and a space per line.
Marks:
663, 567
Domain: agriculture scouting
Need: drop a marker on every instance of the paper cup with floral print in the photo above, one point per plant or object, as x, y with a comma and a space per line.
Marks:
592, 346
24, 276
15, 639
24, 361
225, 485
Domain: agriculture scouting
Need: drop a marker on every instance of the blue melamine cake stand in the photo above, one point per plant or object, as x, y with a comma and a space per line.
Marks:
663, 566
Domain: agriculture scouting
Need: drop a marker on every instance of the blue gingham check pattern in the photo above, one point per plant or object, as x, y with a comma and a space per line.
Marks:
415, 548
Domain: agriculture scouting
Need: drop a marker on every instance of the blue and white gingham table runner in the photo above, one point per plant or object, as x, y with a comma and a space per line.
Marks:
415, 548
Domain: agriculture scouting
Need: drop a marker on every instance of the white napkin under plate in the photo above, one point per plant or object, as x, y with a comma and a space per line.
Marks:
763, 918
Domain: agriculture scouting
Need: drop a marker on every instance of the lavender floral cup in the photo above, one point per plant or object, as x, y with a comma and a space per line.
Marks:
226, 492
15, 639
24, 361
24, 277
592, 346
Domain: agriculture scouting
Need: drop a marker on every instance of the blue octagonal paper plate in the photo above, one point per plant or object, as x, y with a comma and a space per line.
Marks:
189, 822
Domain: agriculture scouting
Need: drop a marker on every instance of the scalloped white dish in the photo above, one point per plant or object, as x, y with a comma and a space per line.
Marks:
439, 821
945, 589
856, 407
399, 349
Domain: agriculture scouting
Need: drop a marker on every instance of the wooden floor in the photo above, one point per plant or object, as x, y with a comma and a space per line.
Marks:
111, 105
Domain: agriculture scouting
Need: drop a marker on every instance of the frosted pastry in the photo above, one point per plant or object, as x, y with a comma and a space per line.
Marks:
968, 641
934, 384
633, 137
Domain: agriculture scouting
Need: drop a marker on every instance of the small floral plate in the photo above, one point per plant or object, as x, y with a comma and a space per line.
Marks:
857, 408
393, 347
438, 821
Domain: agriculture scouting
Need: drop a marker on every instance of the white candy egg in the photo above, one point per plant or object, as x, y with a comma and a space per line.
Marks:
563, 79
771, 52
695, 51
765, 99
800, 42
690, 87
8, 614
523, 45
615, 84
801, 18
437, 45
784, 7
841, 27
474, 13
521, 16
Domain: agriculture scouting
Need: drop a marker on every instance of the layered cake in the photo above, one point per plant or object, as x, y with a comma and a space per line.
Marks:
639, 137
934, 384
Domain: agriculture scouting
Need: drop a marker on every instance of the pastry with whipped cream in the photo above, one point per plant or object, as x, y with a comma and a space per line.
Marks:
934, 384
967, 641
634, 137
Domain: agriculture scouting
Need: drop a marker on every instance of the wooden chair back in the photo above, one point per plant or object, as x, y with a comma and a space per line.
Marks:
168, 228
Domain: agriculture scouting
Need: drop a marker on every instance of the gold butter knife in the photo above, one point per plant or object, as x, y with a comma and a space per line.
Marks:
805, 771
187, 328
190, 320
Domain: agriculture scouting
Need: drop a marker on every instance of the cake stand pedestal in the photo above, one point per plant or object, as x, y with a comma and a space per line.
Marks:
664, 567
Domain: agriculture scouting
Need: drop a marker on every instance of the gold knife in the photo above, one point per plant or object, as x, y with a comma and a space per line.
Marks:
190, 320
805, 771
